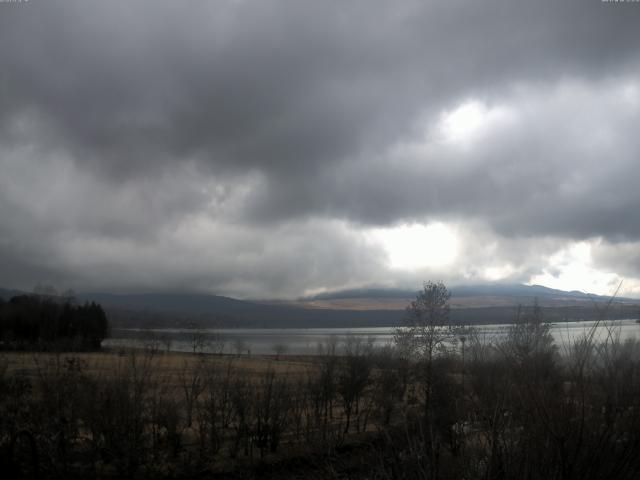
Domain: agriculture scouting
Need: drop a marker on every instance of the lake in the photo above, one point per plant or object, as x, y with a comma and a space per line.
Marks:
304, 341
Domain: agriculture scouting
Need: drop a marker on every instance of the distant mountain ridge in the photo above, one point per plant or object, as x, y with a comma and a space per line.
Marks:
498, 289
171, 301
462, 296
347, 309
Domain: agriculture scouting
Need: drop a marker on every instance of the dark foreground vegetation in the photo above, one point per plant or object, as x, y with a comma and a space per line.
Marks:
34, 322
441, 403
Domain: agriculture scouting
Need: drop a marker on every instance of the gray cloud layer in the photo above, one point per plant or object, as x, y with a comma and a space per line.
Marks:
241, 146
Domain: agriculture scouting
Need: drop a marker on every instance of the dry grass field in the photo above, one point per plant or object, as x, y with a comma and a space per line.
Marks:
167, 365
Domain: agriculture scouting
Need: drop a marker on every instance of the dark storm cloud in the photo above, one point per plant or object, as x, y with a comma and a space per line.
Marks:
122, 120
566, 165
281, 86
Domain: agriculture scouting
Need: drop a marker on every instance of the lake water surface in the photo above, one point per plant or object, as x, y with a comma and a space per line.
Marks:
305, 341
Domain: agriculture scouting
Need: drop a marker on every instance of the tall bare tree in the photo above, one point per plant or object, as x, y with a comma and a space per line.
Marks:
428, 330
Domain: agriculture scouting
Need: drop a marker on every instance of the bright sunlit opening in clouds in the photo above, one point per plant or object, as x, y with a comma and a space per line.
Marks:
572, 269
470, 121
497, 273
415, 246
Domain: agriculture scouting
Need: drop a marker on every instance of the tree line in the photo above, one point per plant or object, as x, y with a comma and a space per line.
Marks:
43, 322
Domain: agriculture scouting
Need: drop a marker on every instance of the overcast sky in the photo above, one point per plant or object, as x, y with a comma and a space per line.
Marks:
266, 149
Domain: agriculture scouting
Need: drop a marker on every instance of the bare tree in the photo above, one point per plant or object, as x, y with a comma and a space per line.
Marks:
279, 349
217, 343
192, 383
428, 326
167, 341
198, 341
150, 340
353, 377
240, 346
428, 331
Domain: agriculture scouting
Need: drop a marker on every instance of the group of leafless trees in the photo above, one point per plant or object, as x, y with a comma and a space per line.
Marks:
442, 402
518, 406
138, 416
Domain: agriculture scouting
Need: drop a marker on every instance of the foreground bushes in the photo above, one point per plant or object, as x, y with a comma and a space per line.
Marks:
511, 409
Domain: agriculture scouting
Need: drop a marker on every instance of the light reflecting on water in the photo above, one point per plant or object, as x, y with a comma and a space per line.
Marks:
304, 341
